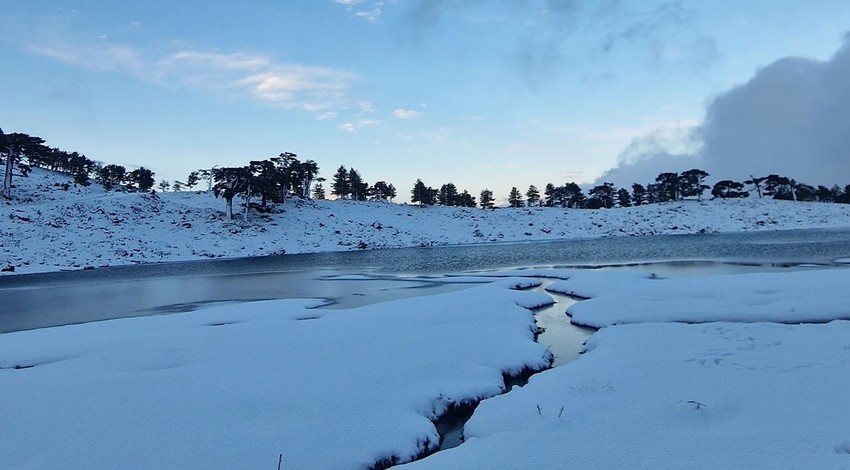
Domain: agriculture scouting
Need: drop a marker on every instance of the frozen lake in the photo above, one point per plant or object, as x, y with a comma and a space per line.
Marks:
351, 279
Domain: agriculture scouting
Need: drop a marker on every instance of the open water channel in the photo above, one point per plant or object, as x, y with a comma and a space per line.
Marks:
351, 279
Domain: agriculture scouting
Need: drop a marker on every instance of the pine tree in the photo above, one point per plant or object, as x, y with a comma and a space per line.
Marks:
668, 186
844, 198
164, 185
141, 179
486, 199
601, 196
690, 183
638, 194
110, 176
419, 193
357, 188
571, 196
780, 187
339, 186
728, 189
549, 193
447, 196
532, 196
319, 189
756, 183
624, 199
229, 182
466, 200
381, 191
515, 198
192, 180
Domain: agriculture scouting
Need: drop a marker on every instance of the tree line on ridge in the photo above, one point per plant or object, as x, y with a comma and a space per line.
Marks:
275, 179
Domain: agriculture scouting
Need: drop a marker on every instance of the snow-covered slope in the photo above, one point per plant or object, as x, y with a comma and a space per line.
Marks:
47, 228
236, 385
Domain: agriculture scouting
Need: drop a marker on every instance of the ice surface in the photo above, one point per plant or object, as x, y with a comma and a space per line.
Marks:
234, 386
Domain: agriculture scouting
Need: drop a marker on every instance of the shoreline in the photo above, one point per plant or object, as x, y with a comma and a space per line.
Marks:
86, 228
49, 269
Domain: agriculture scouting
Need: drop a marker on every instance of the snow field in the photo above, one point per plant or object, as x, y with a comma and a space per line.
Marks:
629, 297
47, 228
658, 393
234, 386
672, 396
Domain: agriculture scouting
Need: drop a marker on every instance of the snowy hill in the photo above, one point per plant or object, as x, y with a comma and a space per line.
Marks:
47, 227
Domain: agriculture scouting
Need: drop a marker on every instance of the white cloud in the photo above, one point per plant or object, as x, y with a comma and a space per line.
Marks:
353, 126
327, 115
290, 85
365, 106
372, 16
406, 114
252, 74
315, 107
788, 119
236, 61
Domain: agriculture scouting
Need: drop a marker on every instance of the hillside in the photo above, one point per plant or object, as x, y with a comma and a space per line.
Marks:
47, 227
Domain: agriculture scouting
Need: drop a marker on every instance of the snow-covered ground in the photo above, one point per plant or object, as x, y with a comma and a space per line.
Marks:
47, 228
630, 297
234, 386
672, 395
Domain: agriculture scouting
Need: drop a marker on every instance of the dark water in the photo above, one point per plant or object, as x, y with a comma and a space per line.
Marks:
40, 300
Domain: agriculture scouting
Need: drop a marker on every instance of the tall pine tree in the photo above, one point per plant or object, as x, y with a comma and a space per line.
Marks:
515, 198
486, 199
532, 196
339, 186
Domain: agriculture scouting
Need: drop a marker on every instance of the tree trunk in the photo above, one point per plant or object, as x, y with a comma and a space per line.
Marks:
229, 207
7, 179
247, 203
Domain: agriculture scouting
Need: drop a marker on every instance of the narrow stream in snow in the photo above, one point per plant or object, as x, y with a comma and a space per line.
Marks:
566, 340
354, 279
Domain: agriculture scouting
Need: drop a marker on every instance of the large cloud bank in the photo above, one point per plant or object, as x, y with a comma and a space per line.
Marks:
792, 118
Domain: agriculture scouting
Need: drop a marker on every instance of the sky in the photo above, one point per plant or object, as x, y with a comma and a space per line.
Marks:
481, 93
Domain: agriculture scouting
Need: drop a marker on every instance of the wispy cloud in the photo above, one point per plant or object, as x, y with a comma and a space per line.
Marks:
357, 9
254, 75
360, 124
406, 114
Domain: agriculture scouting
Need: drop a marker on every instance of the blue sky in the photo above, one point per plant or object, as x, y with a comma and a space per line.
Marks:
493, 94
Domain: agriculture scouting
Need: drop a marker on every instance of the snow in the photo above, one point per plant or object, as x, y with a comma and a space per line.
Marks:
234, 386
658, 393
630, 297
47, 228
712, 371
671, 396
